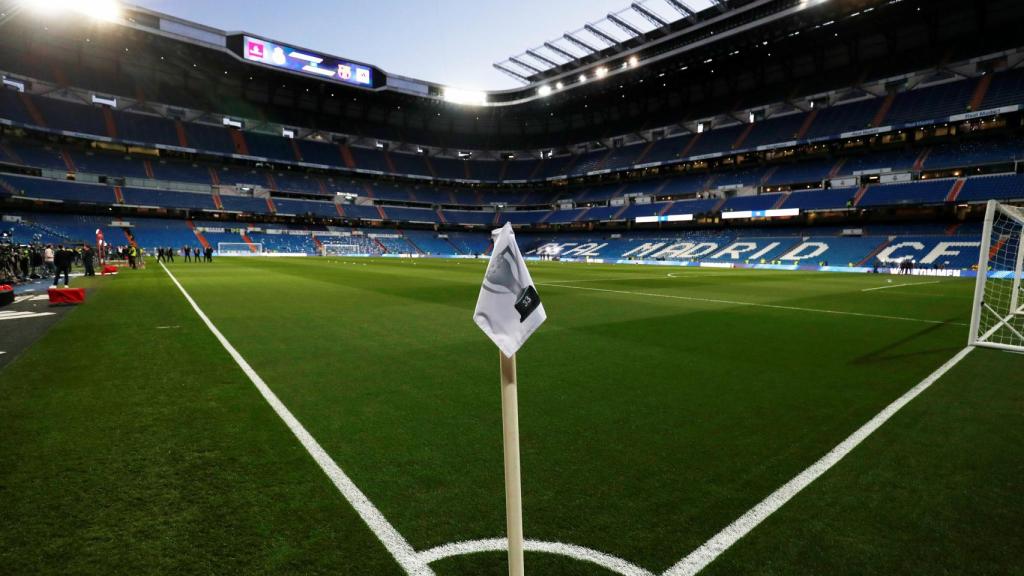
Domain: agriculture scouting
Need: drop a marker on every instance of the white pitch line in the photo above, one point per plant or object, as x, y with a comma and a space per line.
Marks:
403, 553
713, 548
607, 561
900, 286
758, 305
625, 278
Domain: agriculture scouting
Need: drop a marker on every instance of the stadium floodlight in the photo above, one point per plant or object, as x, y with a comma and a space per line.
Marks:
582, 78
559, 85
461, 96
544, 90
633, 61
601, 72
107, 10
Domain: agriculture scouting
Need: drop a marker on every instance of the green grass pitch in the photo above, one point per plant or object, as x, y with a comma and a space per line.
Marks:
655, 410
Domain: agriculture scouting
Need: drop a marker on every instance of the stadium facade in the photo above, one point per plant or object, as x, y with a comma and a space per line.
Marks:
764, 132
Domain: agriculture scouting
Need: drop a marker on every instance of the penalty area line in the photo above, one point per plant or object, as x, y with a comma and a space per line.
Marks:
397, 545
758, 305
900, 286
713, 548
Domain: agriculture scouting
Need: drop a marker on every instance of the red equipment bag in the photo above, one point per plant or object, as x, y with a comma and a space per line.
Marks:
66, 295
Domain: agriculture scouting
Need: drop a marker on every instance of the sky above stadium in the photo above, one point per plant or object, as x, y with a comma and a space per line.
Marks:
454, 42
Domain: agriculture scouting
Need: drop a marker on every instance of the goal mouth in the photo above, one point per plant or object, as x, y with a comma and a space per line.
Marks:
334, 249
239, 248
997, 317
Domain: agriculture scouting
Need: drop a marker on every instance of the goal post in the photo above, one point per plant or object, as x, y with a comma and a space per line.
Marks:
239, 248
334, 249
997, 317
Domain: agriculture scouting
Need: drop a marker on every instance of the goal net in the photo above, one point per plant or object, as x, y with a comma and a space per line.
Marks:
239, 248
997, 320
343, 250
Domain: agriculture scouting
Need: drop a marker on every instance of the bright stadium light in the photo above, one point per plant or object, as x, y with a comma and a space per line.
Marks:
544, 90
582, 78
601, 72
108, 10
460, 96
559, 85
633, 61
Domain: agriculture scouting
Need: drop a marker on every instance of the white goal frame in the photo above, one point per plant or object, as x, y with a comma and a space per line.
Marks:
997, 318
239, 249
356, 249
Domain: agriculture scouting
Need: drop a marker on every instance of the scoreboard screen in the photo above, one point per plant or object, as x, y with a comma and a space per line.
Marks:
312, 64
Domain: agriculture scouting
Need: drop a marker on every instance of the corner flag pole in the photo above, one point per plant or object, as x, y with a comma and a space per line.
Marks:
513, 485
508, 311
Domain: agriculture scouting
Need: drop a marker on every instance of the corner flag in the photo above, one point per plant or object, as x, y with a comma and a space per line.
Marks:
509, 310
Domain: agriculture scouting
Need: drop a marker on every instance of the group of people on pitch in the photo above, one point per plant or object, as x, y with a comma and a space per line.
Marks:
191, 254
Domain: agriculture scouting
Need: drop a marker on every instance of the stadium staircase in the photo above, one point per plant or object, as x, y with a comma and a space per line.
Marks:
390, 162
241, 146
997, 247
440, 216
317, 244
835, 169
179, 127
271, 181
806, 126
214, 176
199, 235
504, 169
118, 195
10, 153
296, 151
465, 171
581, 215
661, 212
952, 229
954, 192
346, 156
147, 164
108, 119
767, 175
323, 187
618, 214
339, 208
368, 189
271, 206
383, 215
248, 241
921, 159
644, 153
874, 253
67, 160
537, 169
454, 247
689, 145
380, 245
415, 247
781, 201
718, 206
33, 111
743, 136
430, 166
9, 188
130, 237
860, 194
980, 92
217, 203
883, 110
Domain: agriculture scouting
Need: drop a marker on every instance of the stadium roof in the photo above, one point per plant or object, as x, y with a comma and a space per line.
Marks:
745, 53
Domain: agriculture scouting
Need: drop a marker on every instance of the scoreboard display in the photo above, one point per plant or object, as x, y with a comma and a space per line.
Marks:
305, 62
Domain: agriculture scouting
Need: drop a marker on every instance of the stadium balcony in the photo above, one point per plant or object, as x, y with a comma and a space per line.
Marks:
716, 141
906, 193
974, 153
841, 117
320, 153
800, 173
413, 215
887, 161
411, 164
521, 170
815, 200
759, 202
774, 130
370, 159
143, 128
998, 187
305, 208
523, 217
468, 217
210, 138
167, 199
271, 146
1005, 90
246, 204
931, 102
58, 190
429, 244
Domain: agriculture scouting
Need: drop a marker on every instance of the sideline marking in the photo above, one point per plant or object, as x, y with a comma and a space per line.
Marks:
710, 550
403, 553
759, 305
607, 561
627, 278
900, 286
16, 315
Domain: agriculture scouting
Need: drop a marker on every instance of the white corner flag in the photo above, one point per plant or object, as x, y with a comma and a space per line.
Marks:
509, 310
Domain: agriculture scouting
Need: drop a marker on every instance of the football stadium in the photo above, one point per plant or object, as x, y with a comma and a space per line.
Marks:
717, 287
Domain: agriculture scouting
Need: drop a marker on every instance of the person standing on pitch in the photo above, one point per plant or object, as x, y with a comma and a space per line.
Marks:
48, 263
187, 252
209, 254
170, 254
62, 260
87, 260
